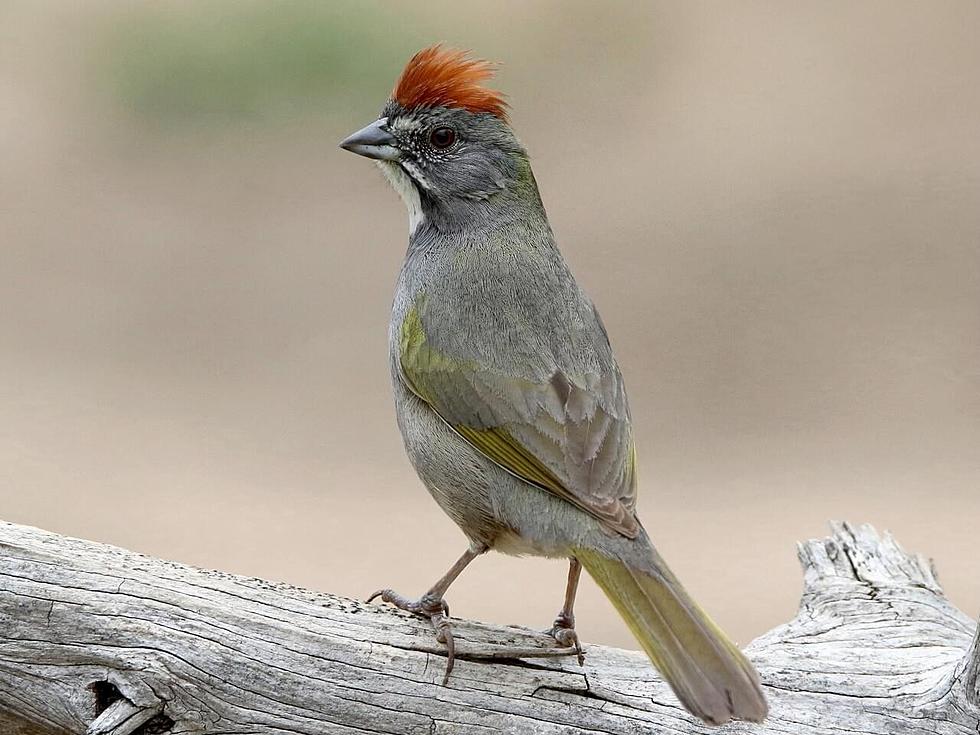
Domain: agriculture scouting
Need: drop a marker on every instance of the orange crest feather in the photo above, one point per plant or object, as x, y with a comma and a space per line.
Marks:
447, 77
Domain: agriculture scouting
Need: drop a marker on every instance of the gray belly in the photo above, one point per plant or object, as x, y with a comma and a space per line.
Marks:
459, 478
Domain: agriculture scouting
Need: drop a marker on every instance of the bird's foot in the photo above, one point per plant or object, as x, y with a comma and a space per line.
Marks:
563, 631
436, 610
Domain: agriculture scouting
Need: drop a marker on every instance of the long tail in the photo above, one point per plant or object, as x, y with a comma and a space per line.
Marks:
707, 672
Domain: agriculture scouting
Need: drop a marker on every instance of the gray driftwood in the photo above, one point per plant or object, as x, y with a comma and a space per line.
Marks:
97, 640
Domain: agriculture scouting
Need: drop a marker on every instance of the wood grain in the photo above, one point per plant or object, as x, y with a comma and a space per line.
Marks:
95, 639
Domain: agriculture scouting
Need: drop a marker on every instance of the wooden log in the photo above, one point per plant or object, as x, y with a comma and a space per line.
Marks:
97, 640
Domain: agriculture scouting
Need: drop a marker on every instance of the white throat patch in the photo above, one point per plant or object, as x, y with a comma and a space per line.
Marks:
402, 183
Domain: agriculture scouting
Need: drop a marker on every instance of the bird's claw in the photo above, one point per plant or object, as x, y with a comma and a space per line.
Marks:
444, 634
426, 605
563, 631
436, 610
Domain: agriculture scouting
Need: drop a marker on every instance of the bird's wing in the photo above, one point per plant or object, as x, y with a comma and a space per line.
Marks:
570, 434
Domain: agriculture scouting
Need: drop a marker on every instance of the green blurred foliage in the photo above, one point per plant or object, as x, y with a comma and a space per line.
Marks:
221, 62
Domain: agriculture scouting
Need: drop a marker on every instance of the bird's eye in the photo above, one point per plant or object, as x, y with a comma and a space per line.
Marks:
442, 137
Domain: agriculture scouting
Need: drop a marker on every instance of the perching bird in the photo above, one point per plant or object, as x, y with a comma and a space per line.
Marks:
510, 402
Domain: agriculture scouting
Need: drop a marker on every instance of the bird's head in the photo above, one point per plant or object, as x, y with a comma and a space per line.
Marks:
443, 139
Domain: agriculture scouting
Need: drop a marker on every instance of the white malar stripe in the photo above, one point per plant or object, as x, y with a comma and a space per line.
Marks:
401, 183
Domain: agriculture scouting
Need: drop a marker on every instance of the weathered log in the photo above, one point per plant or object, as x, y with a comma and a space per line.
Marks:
97, 640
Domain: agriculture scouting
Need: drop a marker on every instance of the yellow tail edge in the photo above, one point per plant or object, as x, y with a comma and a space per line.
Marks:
709, 674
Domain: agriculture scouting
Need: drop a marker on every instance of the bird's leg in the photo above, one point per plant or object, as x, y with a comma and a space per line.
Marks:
563, 629
433, 606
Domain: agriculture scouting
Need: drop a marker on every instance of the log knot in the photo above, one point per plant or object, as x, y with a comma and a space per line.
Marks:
117, 714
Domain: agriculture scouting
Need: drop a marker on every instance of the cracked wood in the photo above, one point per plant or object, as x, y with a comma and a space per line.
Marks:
94, 639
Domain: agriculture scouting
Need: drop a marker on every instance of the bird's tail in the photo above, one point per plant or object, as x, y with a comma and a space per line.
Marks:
707, 672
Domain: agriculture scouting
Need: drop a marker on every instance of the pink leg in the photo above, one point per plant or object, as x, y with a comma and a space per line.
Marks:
433, 606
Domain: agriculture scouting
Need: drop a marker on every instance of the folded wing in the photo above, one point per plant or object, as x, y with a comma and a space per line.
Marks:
569, 434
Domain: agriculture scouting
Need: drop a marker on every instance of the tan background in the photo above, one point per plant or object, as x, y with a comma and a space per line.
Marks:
774, 205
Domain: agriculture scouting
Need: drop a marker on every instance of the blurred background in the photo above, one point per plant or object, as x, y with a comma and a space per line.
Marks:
775, 206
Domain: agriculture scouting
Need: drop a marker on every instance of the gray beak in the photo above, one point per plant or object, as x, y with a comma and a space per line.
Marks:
373, 141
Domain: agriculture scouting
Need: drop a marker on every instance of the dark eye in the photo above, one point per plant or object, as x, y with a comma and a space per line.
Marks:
442, 137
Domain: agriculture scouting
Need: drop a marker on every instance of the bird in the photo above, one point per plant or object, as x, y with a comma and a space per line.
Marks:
510, 402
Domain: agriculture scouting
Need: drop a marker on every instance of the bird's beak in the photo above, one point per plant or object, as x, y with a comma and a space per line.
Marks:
373, 141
